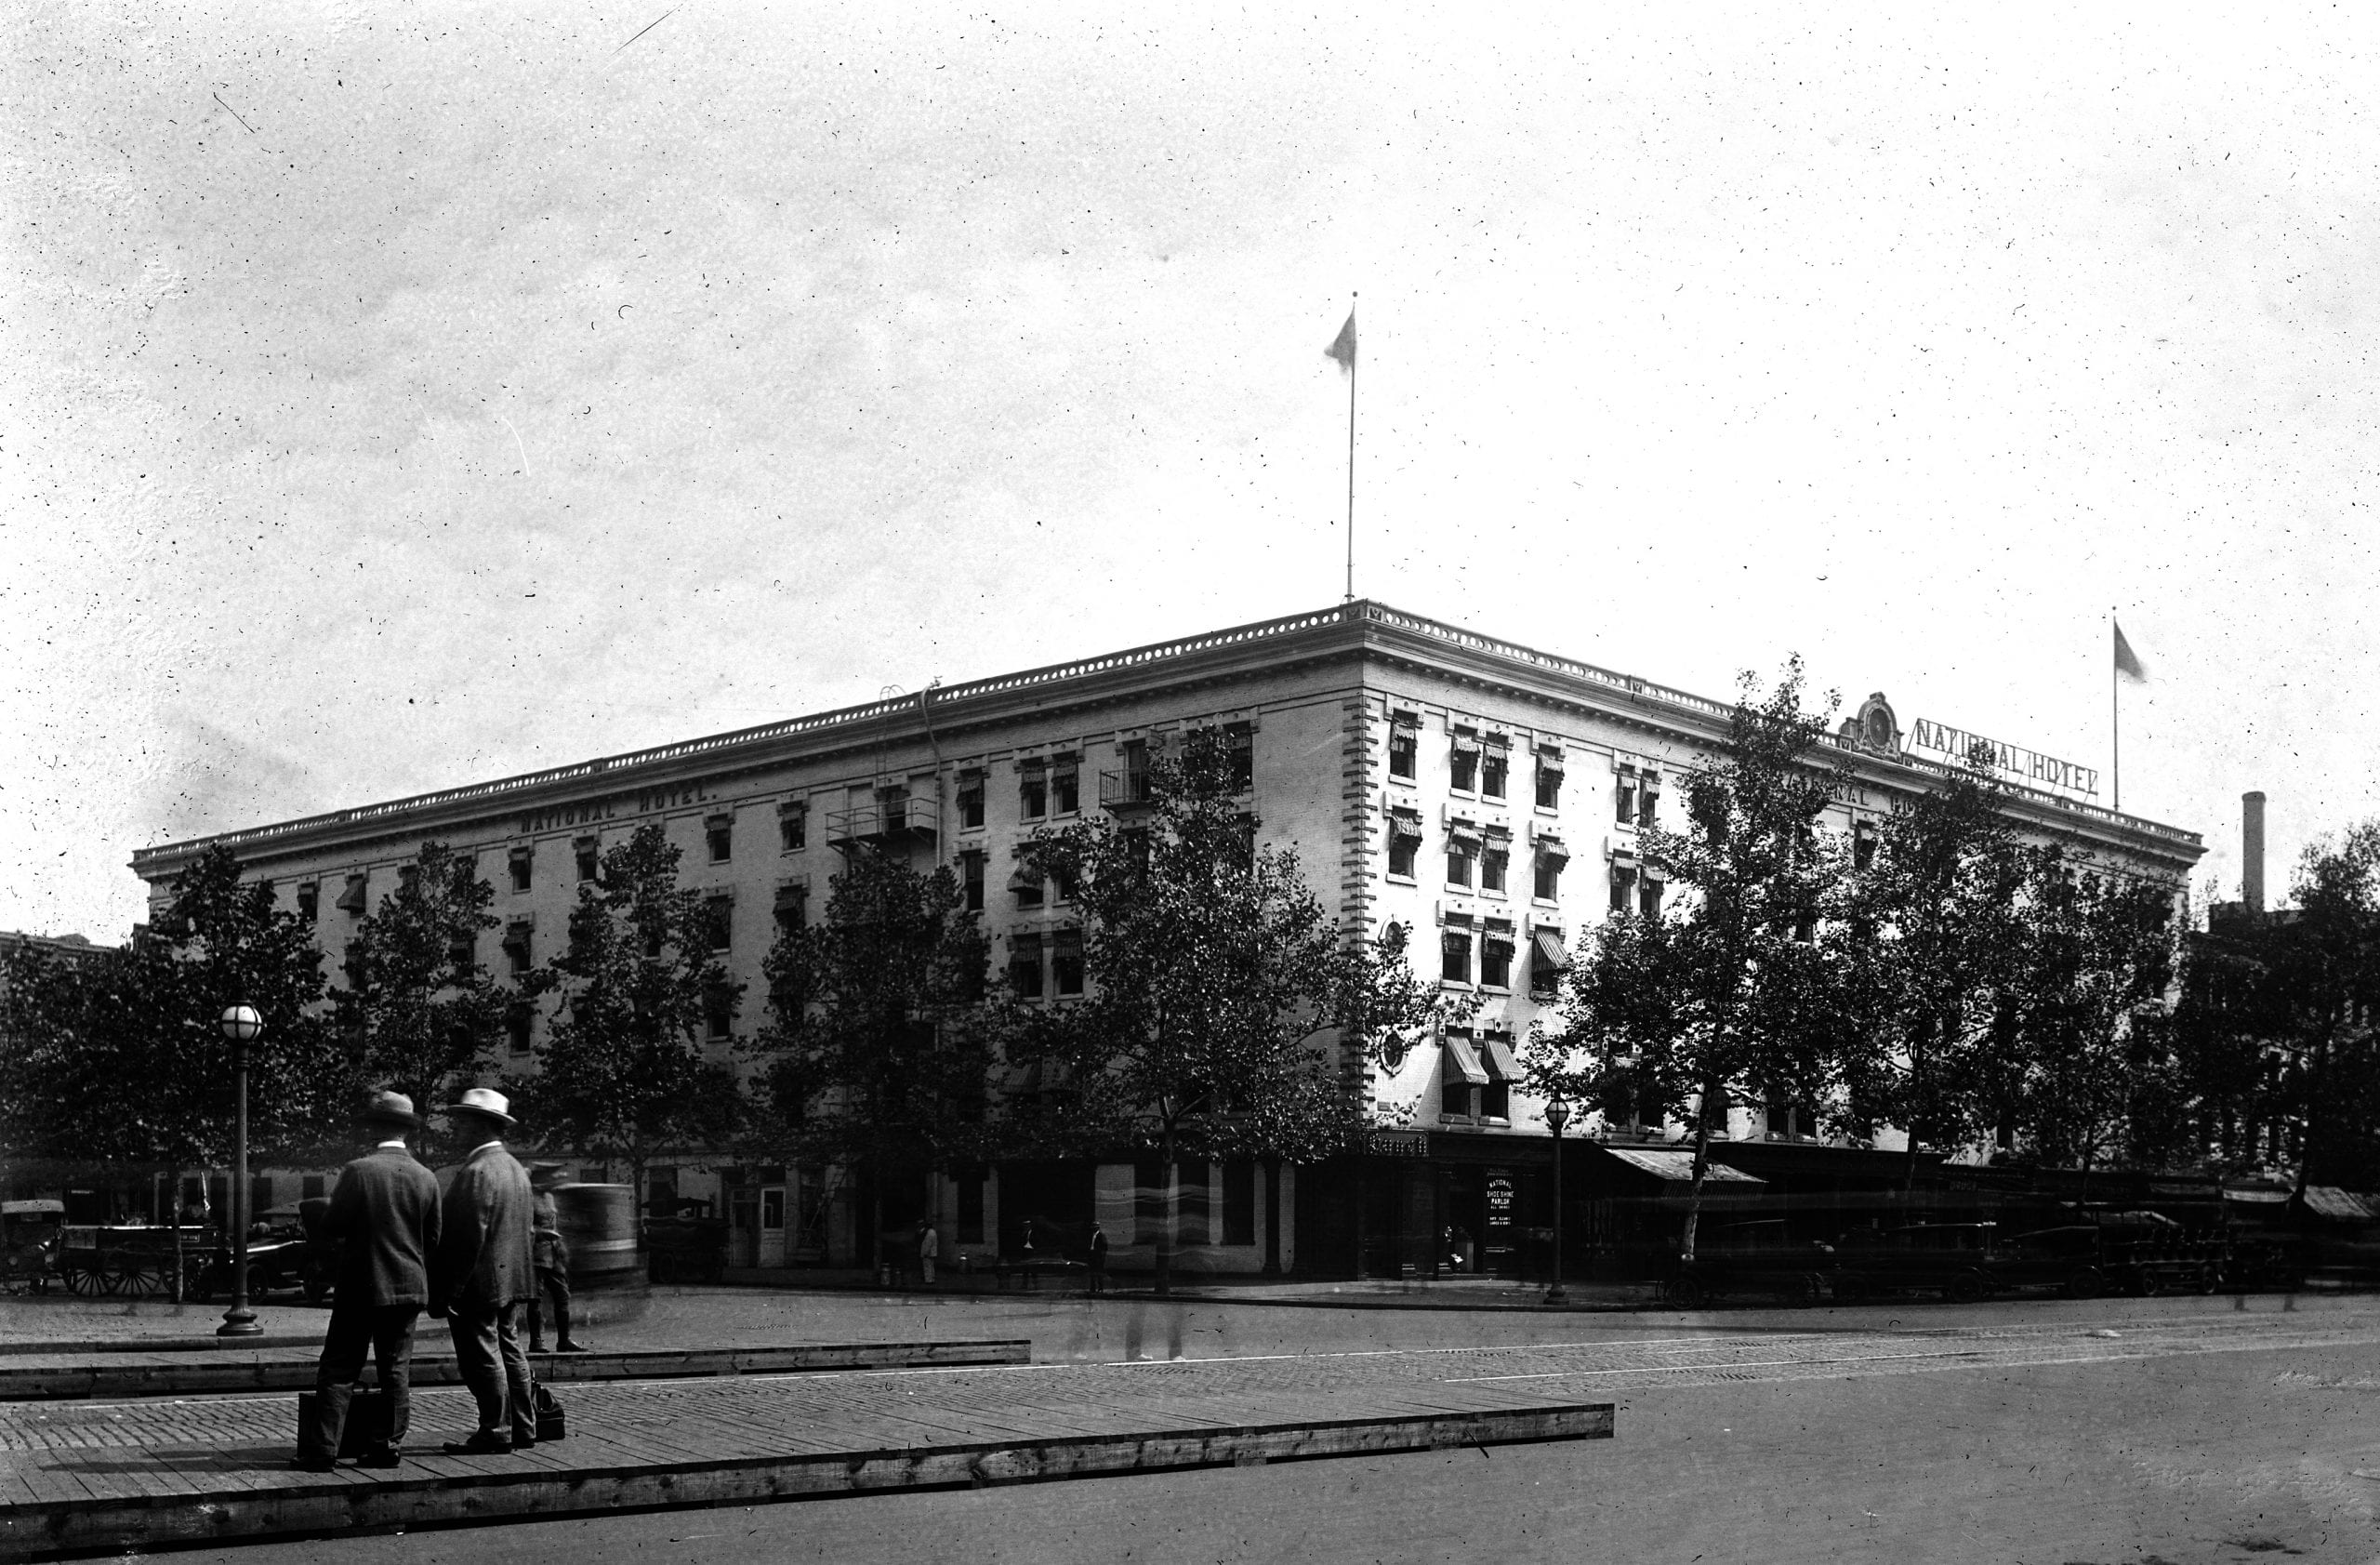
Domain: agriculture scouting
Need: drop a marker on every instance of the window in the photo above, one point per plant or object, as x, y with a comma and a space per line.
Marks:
1240, 1202
1494, 762
1066, 963
1625, 814
353, 965
1066, 786
351, 900
1403, 745
772, 1207
970, 800
1239, 755
522, 861
1454, 959
1404, 847
1495, 959
1648, 897
719, 836
719, 922
1136, 772
516, 1030
1549, 874
1062, 883
1025, 966
719, 1014
793, 826
1463, 762
516, 949
1027, 887
792, 909
1493, 860
1032, 790
1648, 799
1549, 778
970, 876
463, 956
1548, 961
1623, 887
1863, 845
1459, 850
1791, 1121
310, 902
1459, 1077
589, 860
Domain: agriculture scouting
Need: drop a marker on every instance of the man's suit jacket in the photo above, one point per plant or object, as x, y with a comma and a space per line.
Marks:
483, 1242
384, 1213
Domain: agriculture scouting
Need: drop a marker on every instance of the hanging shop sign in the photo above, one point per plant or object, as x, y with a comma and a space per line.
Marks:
1959, 747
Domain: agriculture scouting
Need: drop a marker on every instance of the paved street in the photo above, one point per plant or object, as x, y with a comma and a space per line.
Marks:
2185, 1430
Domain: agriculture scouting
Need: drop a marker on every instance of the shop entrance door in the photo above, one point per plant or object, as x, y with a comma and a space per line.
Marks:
743, 1225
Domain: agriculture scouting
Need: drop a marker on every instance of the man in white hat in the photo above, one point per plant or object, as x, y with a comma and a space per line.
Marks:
482, 1277
383, 1215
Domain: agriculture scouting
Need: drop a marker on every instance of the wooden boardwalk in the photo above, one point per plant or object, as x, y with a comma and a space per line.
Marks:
95, 1476
180, 1374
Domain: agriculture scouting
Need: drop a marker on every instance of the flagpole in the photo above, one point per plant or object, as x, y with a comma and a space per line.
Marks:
1351, 472
2115, 710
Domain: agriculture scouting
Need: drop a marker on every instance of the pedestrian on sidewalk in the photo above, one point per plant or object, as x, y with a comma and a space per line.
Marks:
550, 1254
929, 1250
484, 1275
1098, 1259
384, 1215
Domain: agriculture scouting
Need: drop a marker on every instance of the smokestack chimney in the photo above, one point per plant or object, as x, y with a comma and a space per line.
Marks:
2252, 852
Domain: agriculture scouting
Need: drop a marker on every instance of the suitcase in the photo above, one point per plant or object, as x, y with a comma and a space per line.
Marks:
367, 1426
550, 1425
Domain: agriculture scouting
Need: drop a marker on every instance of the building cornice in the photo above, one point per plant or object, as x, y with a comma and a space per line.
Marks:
1357, 632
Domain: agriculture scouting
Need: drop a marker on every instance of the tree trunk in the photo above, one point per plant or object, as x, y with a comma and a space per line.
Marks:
1165, 1226
1701, 1169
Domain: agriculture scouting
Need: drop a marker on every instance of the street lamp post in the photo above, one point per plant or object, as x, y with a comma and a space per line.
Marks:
241, 1023
1557, 1114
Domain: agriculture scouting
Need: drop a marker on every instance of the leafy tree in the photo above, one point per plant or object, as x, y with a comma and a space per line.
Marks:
1928, 933
2095, 952
878, 1051
420, 1012
621, 1072
1729, 991
1225, 1015
123, 1059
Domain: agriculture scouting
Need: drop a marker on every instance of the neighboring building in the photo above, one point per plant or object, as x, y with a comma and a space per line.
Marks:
74, 948
1486, 796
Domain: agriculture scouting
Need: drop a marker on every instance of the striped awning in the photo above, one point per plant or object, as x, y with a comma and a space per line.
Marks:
1463, 1059
1501, 1062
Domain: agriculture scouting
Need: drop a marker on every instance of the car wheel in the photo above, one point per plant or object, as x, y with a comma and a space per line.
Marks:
2150, 1283
1688, 1292
2087, 1284
1970, 1287
2210, 1279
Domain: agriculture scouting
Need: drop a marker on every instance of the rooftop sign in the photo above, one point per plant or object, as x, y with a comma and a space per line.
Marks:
1960, 748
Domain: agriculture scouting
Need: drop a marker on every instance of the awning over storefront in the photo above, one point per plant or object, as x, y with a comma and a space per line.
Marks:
1676, 1166
2328, 1200
1462, 1058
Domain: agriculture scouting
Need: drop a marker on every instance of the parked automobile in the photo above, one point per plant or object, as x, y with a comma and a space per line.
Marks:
29, 1242
1948, 1258
1752, 1257
280, 1259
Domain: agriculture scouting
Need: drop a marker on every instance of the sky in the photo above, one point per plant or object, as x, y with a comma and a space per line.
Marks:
392, 398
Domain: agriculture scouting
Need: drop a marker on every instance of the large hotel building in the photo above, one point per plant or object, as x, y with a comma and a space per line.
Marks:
1486, 796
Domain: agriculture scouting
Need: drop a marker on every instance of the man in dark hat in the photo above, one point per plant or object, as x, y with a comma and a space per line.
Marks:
384, 1215
483, 1276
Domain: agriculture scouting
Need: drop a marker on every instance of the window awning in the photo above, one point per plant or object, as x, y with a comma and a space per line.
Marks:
1497, 741
1465, 744
1550, 953
1462, 1058
1501, 1062
792, 896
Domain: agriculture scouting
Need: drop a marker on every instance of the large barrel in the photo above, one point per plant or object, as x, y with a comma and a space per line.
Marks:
599, 1223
